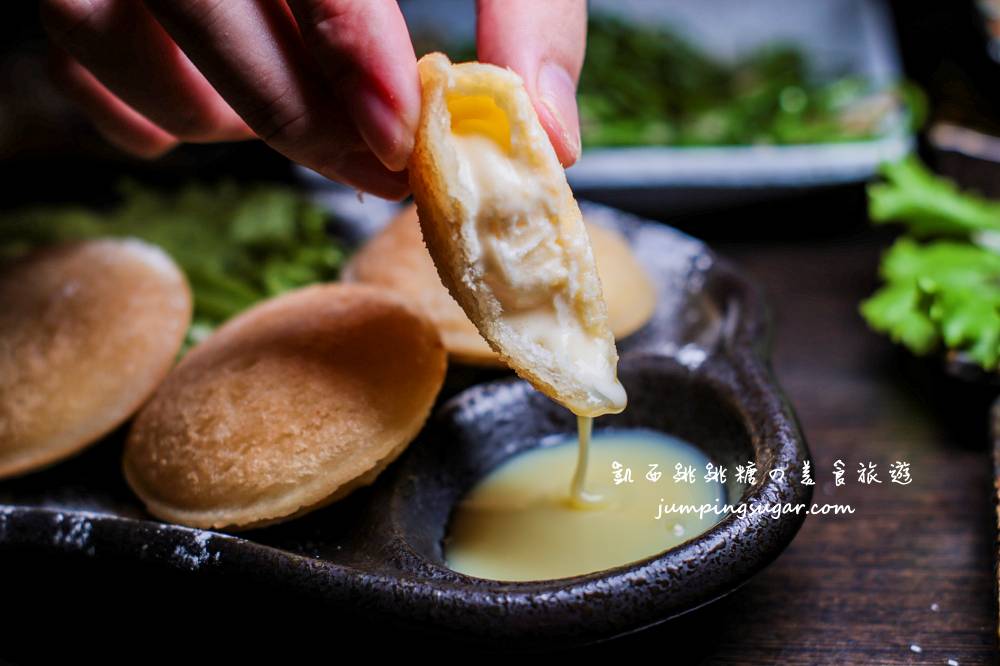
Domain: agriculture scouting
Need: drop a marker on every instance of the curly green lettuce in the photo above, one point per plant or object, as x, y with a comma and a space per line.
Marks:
237, 244
943, 292
927, 204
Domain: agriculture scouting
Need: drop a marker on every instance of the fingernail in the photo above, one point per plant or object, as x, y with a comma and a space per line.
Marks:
557, 93
382, 127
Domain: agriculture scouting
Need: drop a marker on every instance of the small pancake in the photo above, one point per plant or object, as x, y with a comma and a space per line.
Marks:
628, 291
87, 332
286, 408
397, 258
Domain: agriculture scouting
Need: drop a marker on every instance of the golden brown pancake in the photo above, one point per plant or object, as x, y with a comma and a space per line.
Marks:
87, 332
397, 258
628, 291
287, 407
507, 236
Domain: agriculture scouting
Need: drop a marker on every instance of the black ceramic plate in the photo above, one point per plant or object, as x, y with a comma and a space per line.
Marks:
697, 370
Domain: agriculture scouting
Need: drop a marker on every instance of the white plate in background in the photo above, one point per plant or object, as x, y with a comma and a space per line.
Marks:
838, 37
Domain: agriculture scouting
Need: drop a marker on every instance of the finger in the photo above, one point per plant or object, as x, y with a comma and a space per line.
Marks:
116, 121
124, 47
253, 54
366, 172
365, 51
544, 42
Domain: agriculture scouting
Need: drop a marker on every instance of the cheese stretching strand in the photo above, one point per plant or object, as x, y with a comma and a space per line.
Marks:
507, 236
579, 498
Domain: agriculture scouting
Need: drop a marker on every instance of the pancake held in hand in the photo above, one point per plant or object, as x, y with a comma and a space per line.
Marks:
398, 259
87, 331
507, 236
287, 407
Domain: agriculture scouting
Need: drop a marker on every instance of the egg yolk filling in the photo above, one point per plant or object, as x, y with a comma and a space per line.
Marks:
517, 245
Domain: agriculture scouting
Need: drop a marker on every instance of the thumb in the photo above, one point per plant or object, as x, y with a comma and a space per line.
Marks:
544, 42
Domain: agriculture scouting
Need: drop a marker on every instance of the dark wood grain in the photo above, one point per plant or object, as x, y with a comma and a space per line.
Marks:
861, 588
850, 590
995, 414
855, 589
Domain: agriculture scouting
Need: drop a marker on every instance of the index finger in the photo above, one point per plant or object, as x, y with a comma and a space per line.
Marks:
253, 53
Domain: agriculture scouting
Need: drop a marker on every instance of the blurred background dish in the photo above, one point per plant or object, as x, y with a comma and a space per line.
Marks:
757, 99
989, 12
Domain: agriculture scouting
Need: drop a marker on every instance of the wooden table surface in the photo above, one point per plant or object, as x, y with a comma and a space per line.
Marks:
911, 569
908, 578
856, 589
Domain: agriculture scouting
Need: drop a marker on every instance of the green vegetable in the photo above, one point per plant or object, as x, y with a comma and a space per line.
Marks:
237, 244
927, 204
941, 293
646, 85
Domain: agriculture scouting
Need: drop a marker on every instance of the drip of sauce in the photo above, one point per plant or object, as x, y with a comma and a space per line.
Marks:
516, 241
519, 524
578, 496
515, 238
522, 261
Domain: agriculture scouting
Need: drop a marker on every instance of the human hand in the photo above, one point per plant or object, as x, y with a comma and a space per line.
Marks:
331, 84
544, 42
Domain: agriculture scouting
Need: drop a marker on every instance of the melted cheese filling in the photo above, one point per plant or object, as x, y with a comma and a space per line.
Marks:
515, 239
517, 244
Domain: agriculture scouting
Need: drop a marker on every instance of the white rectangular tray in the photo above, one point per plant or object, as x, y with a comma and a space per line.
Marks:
843, 36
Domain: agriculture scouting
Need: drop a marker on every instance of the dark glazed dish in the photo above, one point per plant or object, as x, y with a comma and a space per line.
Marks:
698, 370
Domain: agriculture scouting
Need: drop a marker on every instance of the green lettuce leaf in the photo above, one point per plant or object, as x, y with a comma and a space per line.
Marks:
928, 205
237, 244
939, 293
